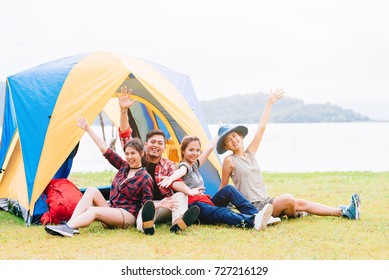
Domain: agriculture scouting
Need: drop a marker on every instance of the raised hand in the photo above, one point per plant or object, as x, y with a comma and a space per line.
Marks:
125, 101
81, 122
276, 95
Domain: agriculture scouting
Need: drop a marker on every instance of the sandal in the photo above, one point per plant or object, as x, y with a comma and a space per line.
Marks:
148, 213
190, 216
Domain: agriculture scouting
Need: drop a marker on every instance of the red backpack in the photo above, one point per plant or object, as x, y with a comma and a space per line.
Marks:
62, 198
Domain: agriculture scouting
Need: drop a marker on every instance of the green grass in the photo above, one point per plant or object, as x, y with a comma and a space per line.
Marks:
311, 238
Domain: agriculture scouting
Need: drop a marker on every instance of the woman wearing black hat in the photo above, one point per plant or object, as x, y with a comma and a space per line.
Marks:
246, 175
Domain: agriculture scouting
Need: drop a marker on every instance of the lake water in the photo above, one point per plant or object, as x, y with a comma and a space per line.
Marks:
303, 147
312, 147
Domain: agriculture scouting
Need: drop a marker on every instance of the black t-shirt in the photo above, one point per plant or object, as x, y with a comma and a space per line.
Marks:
156, 192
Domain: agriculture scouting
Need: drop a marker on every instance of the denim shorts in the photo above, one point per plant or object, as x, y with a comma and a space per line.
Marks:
260, 204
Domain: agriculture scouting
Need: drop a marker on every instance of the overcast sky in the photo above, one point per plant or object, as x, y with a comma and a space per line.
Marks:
318, 51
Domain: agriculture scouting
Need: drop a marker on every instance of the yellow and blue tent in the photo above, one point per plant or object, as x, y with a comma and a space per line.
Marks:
39, 135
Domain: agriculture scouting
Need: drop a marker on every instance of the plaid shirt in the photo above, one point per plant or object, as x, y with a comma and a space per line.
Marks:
164, 167
128, 193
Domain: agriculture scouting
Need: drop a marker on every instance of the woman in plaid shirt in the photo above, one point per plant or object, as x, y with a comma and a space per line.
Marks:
131, 188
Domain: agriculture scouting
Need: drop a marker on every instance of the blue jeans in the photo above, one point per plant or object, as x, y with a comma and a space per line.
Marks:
220, 214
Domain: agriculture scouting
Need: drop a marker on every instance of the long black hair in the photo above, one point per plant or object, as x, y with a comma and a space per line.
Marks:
137, 144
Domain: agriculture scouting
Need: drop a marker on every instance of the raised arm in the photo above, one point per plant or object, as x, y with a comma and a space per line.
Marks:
82, 123
125, 103
273, 97
205, 154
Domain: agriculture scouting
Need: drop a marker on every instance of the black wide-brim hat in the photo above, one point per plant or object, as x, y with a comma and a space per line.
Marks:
226, 129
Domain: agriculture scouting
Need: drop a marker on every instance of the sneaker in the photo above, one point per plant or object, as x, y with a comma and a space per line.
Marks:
76, 231
273, 221
302, 214
343, 208
262, 217
353, 211
190, 216
60, 230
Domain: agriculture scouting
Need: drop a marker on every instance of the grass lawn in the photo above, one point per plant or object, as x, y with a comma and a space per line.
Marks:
311, 238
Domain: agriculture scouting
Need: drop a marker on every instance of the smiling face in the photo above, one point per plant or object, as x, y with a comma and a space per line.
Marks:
155, 146
191, 152
133, 157
233, 141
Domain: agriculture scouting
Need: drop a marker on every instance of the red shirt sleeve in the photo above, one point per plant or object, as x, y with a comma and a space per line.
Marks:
125, 136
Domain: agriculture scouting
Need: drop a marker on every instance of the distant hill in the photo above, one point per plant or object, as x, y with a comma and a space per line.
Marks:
248, 109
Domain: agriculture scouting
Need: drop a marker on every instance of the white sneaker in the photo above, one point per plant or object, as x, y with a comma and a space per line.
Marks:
273, 221
261, 218
302, 214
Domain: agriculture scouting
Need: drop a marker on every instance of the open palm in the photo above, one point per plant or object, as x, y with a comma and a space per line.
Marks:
125, 101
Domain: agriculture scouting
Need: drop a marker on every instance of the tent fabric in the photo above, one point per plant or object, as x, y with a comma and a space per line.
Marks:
42, 103
9, 126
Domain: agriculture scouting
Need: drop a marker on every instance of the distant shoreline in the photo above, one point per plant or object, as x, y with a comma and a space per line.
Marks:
95, 123
247, 109
288, 110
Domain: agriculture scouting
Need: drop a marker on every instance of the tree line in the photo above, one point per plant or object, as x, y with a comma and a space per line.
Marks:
248, 109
